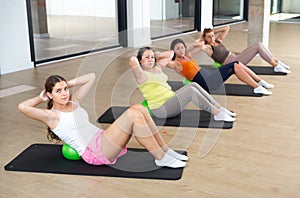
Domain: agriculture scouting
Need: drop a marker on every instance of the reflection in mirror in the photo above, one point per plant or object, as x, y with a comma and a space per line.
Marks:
226, 11
66, 27
171, 16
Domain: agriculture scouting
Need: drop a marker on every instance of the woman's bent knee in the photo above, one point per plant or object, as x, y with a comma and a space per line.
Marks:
136, 113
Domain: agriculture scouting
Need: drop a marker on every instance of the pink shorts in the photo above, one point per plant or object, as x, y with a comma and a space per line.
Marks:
93, 153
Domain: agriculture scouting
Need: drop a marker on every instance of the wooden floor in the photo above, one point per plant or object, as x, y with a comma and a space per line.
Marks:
258, 157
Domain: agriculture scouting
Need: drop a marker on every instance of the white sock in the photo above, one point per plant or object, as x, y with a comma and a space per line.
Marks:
265, 84
176, 155
221, 116
227, 111
284, 65
169, 161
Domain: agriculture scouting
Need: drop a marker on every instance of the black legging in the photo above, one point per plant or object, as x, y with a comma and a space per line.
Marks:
212, 80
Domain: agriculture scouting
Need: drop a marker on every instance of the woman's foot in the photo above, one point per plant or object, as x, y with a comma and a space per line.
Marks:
221, 116
262, 90
281, 68
224, 110
169, 161
284, 65
265, 84
176, 155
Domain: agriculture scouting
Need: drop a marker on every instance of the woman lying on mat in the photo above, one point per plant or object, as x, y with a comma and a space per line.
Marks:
217, 51
163, 102
69, 122
185, 65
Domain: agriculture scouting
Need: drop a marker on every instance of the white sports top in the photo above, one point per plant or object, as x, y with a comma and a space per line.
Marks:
75, 129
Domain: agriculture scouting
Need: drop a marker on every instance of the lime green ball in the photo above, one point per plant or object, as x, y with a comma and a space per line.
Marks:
70, 153
186, 81
145, 104
216, 65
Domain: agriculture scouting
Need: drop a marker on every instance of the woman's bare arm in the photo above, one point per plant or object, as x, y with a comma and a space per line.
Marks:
222, 32
29, 108
85, 83
138, 73
163, 58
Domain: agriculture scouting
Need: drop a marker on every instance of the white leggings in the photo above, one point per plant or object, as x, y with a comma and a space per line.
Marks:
191, 92
248, 54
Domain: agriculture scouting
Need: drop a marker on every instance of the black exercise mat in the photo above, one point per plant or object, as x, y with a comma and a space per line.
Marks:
187, 118
228, 89
266, 70
48, 158
259, 70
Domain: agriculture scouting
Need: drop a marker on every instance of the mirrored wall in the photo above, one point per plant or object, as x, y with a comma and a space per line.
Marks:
171, 17
227, 11
65, 27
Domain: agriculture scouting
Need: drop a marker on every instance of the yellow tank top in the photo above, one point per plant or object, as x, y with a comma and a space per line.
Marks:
156, 90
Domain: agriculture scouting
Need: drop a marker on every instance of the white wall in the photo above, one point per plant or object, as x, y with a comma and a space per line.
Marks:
98, 8
206, 14
14, 37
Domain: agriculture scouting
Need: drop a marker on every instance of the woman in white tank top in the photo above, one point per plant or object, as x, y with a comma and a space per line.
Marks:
69, 122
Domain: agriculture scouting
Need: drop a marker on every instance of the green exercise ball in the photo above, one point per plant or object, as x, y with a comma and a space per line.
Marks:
186, 81
70, 153
216, 65
145, 104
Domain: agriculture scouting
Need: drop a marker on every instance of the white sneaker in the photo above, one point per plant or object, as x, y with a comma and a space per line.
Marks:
262, 90
284, 65
224, 110
221, 116
282, 69
265, 84
169, 161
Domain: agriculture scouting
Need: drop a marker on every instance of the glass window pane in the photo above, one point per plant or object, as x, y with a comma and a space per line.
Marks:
226, 11
66, 27
171, 17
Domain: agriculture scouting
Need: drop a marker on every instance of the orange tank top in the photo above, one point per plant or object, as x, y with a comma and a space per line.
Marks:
189, 68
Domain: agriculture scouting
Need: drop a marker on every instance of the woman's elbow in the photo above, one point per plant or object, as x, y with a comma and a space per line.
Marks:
21, 107
92, 76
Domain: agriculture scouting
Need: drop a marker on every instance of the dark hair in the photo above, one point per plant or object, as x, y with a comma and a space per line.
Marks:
142, 51
175, 42
49, 84
205, 31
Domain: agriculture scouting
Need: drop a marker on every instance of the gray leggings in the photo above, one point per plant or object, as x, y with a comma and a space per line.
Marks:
191, 92
248, 54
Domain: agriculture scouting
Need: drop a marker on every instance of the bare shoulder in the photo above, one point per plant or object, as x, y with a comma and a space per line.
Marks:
53, 119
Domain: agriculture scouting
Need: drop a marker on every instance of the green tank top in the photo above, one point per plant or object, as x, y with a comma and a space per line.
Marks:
156, 90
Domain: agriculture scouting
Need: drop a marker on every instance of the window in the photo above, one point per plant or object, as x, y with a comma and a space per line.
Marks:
66, 27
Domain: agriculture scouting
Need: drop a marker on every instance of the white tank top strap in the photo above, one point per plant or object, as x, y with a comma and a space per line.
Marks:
73, 102
57, 112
